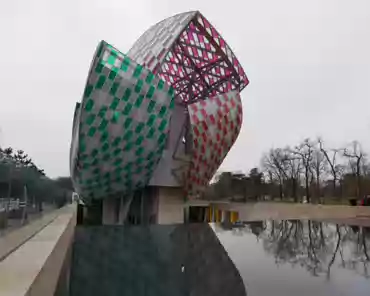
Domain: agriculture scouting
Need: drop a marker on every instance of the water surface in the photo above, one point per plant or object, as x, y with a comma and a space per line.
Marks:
302, 258
278, 258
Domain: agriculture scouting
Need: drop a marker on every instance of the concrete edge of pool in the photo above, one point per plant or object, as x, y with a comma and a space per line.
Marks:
34, 268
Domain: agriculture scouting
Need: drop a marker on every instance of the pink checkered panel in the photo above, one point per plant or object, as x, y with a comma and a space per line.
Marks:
188, 53
215, 125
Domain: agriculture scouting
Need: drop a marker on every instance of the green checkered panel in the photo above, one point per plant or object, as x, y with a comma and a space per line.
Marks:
123, 126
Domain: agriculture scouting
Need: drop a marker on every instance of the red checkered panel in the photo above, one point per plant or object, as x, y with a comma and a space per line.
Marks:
188, 53
200, 64
215, 125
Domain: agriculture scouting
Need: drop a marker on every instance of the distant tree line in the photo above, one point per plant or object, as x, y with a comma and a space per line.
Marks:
309, 171
19, 174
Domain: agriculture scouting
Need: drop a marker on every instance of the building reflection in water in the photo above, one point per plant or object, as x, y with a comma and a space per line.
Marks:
185, 259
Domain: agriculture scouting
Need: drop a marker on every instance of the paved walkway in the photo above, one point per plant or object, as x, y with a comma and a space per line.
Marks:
12, 240
271, 210
14, 224
34, 268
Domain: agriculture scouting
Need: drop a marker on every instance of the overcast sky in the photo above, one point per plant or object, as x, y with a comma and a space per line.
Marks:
308, 63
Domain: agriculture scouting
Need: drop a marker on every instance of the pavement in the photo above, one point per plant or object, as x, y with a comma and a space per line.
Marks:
11, 240
13, 224
281, 211
34, 267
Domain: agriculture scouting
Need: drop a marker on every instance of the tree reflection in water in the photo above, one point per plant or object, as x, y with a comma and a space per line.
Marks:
315, 246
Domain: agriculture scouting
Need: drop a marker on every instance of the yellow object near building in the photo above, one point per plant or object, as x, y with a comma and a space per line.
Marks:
210, 210
234, 217
216, 215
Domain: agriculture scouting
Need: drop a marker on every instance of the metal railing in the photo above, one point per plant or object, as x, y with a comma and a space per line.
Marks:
10, 204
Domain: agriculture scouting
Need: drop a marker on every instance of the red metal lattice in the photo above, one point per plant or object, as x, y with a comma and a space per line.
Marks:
200, 64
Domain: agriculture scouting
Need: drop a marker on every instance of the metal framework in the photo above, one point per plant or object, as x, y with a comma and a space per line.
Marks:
195, 60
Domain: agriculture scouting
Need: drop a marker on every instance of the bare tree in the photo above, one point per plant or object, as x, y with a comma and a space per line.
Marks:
325, 171
274, 164
340, 169
355, 157
319, 165
273, 172
331, 156
305, 151
293, 168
